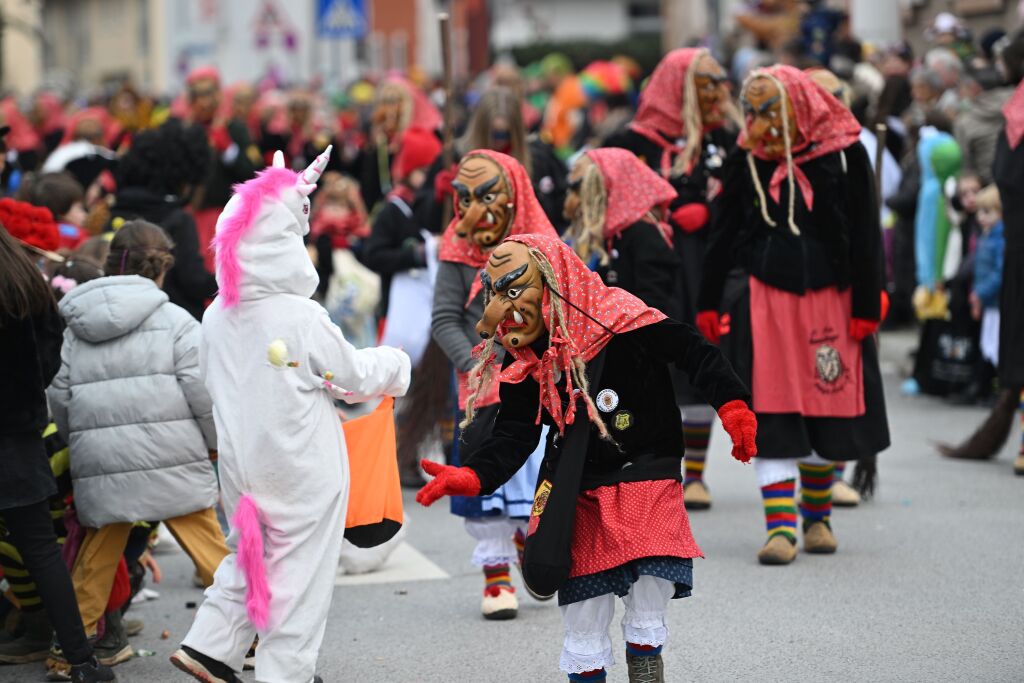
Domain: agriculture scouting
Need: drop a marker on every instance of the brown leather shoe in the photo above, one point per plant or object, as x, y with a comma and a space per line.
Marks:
818, 539
696, 496
780, 549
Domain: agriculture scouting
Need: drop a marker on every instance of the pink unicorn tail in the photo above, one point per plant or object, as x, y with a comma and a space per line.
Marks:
250, 560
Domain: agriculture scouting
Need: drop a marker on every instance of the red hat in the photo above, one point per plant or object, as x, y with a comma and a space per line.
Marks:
30, 224
418, 147
203, 73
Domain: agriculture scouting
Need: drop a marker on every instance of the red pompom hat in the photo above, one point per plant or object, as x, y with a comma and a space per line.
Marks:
417, 148
33, 225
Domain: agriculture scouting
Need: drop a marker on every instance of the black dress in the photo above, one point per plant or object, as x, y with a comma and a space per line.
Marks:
32, 349
839, 246
1008, 171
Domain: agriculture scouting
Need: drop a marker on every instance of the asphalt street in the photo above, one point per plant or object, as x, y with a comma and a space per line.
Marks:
926, 586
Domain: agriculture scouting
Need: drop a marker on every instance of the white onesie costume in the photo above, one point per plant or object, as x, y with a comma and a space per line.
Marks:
281, 441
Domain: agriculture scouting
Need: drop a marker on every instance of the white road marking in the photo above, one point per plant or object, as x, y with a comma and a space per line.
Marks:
405, 564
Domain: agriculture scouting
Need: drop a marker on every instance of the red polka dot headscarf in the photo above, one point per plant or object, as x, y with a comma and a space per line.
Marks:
592, 312
633, 189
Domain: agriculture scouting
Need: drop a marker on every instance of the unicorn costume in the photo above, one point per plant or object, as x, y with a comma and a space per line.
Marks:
283, 460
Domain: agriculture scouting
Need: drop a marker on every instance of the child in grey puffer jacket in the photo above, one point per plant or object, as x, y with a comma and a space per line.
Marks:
130, 402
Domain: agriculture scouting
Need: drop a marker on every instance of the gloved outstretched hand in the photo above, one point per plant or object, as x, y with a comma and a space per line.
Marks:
443, 183
710, 325
741, 424
691, 217
447, 481
860, 329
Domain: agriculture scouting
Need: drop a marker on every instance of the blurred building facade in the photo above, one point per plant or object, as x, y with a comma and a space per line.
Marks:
23, 40
89, 44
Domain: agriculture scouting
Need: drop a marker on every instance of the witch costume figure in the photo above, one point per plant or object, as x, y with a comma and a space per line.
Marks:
681, 132
274, 363
493, 199
615, 206
592, 363
792, 287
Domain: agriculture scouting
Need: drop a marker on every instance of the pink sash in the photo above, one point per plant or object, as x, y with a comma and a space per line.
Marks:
805, 360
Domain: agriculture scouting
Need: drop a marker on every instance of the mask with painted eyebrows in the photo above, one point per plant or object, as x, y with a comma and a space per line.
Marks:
514, 290
762, 110
712, 87
483, 201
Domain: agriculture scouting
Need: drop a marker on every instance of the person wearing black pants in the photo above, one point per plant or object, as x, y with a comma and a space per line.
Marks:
30, 338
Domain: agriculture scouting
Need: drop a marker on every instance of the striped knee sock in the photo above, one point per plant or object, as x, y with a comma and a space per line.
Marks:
22, 586
780, 508
519, 539
815, 493
495, 577
840, 468
643, 650
695, 439
589, 676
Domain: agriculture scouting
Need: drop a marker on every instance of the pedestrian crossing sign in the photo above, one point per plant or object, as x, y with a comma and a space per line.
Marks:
341, 18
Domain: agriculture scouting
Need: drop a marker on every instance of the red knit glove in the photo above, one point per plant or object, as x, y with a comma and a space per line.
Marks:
447, 481
691, 217
710, 325
741, 424
884, 306
860, 328
220, 139
443, 183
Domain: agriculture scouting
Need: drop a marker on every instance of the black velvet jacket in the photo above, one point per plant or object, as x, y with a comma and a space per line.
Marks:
643, 264
644, 421
840, 241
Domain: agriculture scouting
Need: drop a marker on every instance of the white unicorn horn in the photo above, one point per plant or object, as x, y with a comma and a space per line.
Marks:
312, 173
278, 159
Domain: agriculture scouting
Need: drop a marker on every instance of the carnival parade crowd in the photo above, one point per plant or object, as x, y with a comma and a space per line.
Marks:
564, 281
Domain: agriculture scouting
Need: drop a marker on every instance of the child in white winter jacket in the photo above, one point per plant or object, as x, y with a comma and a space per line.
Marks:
274, 363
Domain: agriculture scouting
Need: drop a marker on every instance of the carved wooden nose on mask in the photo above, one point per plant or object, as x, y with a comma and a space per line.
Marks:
493, 315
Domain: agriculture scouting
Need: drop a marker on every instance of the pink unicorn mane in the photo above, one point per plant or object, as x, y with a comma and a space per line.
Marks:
267, 185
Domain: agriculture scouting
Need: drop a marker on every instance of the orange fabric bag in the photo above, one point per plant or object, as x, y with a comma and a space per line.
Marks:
375, 493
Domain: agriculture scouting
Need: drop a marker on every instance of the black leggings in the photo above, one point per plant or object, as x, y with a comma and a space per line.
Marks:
31, 530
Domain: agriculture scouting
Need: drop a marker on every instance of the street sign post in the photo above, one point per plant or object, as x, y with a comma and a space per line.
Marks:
341, 18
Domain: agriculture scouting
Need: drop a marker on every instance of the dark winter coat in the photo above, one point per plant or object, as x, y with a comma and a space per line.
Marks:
228, 168
31, 347
394, 246
976, 130
188, 284
1008, 171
